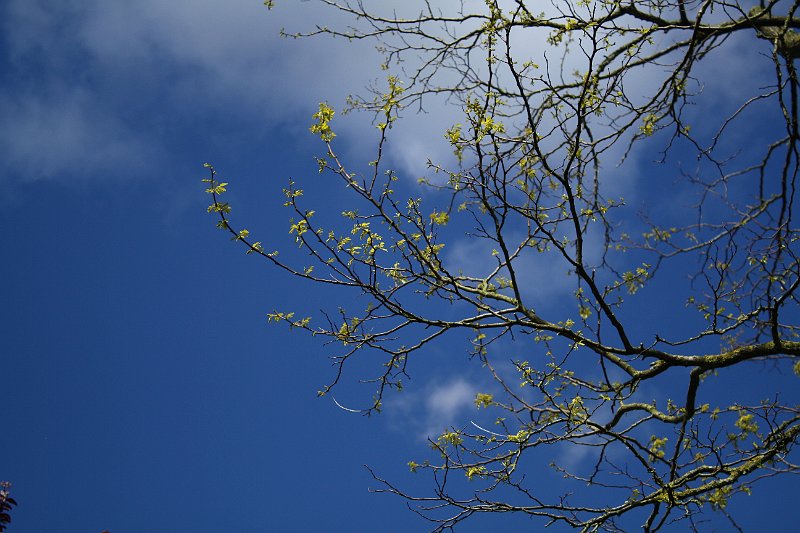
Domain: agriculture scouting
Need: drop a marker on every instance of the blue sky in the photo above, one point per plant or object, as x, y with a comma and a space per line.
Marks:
142, 387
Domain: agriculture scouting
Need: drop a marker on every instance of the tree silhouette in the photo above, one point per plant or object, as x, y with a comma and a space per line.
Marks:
6, 503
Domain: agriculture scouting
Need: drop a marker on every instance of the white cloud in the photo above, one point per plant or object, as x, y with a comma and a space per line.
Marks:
45, 135
225, 56
78, 67
445, 402
571, 455
540, 276
428, 411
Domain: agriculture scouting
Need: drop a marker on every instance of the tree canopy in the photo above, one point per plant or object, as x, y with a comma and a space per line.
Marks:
564, 110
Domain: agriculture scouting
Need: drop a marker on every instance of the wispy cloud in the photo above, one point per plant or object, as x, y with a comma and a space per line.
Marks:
76, 69
45, 135
95, 83
540, 276
428, 411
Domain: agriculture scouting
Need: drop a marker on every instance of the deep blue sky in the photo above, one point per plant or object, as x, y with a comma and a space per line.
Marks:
142, 388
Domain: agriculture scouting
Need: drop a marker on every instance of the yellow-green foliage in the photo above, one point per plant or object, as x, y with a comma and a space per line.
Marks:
449, 437
323, 118
648, 125
746, 424
475, 471
656, 448
483, 400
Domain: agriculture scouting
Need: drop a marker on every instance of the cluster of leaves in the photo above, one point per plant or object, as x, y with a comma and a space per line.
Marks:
6, 504
536, 152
